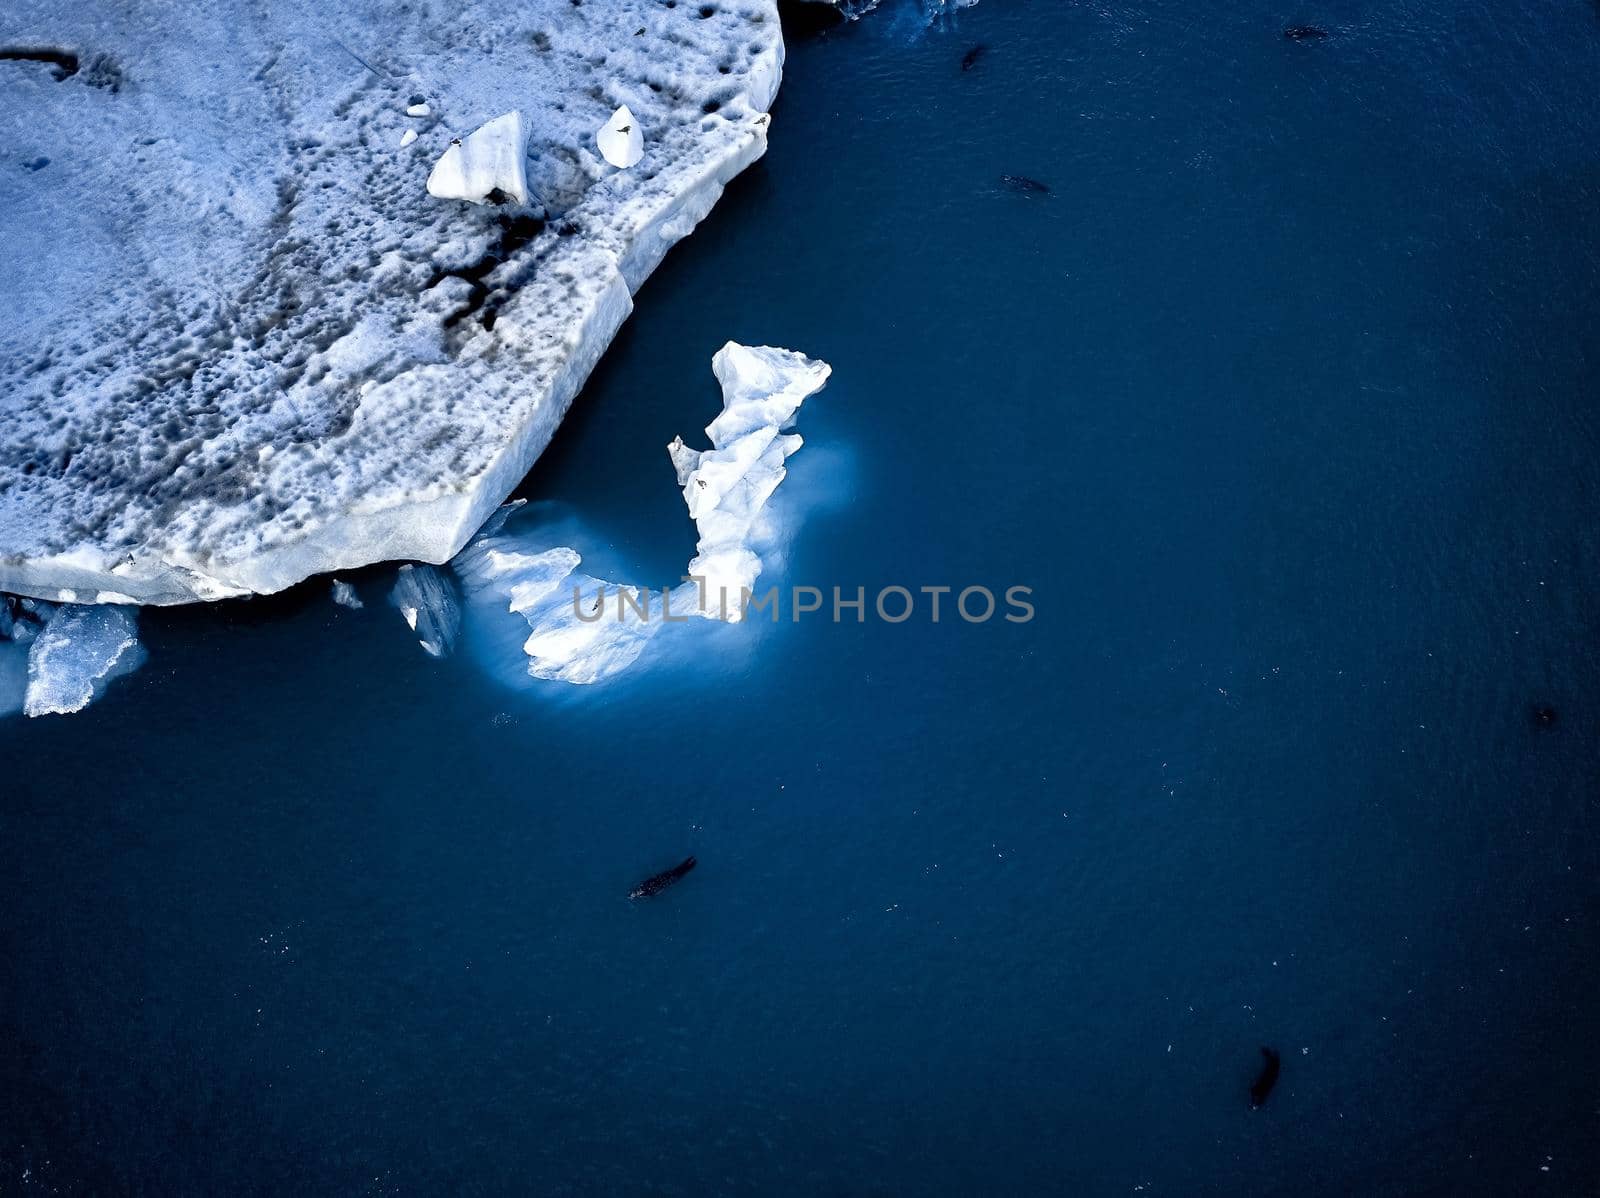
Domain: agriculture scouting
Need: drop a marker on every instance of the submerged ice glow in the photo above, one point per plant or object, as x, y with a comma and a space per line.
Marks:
584, 629
57, 659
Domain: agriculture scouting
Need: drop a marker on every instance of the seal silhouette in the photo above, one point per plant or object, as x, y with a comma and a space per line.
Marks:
655, 884
1266, 1079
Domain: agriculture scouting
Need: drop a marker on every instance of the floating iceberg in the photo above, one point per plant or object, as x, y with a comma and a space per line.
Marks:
583, 629
491, 159
266, 352
427, 603
727, 487
57, 660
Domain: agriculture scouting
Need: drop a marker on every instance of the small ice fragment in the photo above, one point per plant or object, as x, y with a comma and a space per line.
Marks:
406, 138
488, 160
345, 595
620, 139
428, 603
25, 628
79, 651
419, 110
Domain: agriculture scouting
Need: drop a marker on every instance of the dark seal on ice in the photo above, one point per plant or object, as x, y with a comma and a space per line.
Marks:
653, 886
1266, 1079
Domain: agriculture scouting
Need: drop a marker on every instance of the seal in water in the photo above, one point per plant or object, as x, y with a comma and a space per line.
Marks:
1304, 33
1266, 1079
1025, 184
1545, 716
970, 58
654, 886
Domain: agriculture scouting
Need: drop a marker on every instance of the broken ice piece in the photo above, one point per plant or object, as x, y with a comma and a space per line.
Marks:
488, 160
419, 110
406, 138
345, 595
80, 650
620, 139
428, 603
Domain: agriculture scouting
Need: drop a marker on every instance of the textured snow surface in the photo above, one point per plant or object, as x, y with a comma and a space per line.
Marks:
242, 344
57, 660
584, 629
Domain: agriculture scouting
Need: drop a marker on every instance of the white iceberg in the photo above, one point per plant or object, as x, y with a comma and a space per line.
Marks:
345, 595
727, 487
265, 353
584, 629
427, 603
491, 159
620, 139
80, 649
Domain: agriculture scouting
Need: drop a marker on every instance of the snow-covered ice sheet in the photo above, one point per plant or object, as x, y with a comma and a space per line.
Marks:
583, 629
242, 344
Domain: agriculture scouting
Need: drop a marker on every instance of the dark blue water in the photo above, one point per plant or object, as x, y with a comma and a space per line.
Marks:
1283, 400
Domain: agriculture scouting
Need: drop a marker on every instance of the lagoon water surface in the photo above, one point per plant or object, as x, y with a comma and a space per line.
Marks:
1282, 400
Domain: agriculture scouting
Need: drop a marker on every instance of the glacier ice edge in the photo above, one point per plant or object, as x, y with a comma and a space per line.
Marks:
192, 547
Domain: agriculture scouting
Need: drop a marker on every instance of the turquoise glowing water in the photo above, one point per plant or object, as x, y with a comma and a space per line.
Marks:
1283, 402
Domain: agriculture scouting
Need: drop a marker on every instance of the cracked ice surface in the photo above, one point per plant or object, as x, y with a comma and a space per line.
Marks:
243, 345
583, 629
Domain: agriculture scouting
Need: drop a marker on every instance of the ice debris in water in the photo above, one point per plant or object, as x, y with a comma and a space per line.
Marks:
620, 139
406, 138
428, 602
583, 629
727, 486
345, 595
59, 659
488, 160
